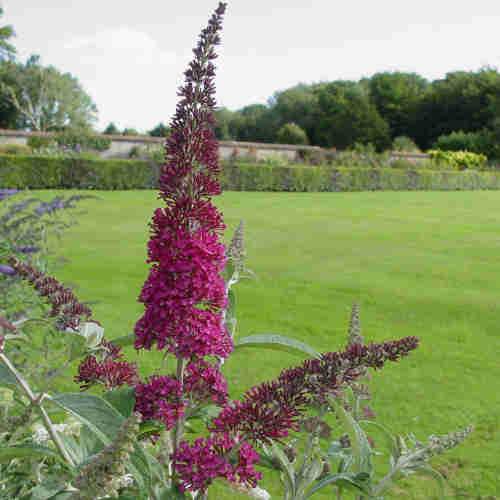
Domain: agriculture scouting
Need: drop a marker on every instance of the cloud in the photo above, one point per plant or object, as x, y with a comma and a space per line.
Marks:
126, 71
120, 42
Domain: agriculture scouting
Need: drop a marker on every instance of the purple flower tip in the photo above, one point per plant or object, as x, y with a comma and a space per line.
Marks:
7, 270
5, 193
27, 249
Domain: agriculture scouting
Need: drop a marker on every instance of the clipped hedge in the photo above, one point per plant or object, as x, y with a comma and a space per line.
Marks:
48, 172
43, 172
248, 177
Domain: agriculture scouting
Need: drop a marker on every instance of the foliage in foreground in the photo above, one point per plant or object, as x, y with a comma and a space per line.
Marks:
130, 437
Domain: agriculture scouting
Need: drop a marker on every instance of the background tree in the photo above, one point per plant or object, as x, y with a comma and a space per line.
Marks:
463, 101
227, 124
346, 116
46, 99
299, 105
291, 133
161, 130
130, 131
111, 129
396, 96
7, 50
256, 123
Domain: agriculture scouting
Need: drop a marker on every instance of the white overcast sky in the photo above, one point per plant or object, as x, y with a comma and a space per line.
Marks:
130, 54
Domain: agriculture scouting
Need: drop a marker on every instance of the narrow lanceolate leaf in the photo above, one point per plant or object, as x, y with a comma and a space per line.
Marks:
122, 400
277, 342
124, 341
286, 467
360, 446
8, 453
434, 474
94, 412
6, 377
391, 440
347, 481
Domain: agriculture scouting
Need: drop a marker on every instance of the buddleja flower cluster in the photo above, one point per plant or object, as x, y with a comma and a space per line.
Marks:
270, 410
107, 367
66, 308
184, 295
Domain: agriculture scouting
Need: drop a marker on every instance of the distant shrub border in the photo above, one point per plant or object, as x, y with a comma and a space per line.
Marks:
47, 172
43, 172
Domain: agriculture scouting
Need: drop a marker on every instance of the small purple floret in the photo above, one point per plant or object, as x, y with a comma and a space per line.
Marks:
27, 249
7, 270
5, 193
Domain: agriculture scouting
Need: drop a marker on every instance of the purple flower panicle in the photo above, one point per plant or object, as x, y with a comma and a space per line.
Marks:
184, 294
110, 369
160, 399
65, 306
270, 410
215, 457
205, 383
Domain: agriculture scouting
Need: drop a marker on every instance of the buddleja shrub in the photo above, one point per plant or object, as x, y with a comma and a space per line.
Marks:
28, 227
175, 432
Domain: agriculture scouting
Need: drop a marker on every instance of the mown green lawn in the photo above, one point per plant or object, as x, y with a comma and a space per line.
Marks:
419, 263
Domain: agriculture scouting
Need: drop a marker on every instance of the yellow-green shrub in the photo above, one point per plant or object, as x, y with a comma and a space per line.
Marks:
458, 160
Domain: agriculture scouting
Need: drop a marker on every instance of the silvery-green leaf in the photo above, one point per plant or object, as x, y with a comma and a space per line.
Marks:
6, 377
310, 474
390, 438
360, 446
286, 467
124, 341
122, 400
277, 342
34, 451
433, 473
347, 481
93, 334
96, 413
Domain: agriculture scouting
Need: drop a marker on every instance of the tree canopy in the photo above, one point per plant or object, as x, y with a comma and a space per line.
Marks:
376, 110
37, 97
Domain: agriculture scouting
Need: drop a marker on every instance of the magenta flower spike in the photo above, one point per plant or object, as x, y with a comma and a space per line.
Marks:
184, 294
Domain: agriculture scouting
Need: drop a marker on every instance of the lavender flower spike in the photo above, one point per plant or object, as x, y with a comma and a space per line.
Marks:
5, 193
7, 270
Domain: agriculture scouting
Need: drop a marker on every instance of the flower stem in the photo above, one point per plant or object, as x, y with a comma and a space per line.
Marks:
36, 401
179, 425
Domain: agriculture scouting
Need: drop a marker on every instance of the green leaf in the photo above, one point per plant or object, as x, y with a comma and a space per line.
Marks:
359, 442
277, 342
8, 453
391, 439
286, 467
139, 467
47, 490
347, 481
124, 341
231, 306
6, 377
122, 400
433, 473
94, 412
75, 451
150, 427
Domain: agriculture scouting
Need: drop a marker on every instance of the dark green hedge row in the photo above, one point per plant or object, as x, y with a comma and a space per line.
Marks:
39, 172
43, 172
248, 177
